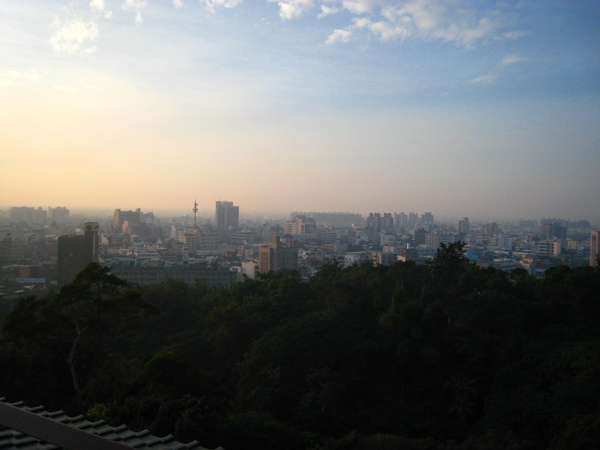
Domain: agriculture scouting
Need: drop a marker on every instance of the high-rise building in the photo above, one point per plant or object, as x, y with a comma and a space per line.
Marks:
333, 219
492, 229
387, 222
60, 214
401, 220
77, 251
133, 218
554, 230
420, 236
227, 215
427, 219
594, 248
462, 226
277, 255
28, 214
549, 247
413, 218
300, 225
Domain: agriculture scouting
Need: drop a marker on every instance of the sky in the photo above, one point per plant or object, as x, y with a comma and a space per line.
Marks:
485, 109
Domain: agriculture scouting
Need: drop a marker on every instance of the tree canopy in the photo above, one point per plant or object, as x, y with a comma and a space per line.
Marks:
446, 355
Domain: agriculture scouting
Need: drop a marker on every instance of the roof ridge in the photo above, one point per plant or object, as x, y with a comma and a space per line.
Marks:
40, 427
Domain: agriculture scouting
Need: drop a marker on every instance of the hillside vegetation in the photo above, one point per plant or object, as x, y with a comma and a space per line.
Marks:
442, 356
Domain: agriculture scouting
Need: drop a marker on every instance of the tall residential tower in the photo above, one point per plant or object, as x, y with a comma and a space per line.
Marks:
227, 215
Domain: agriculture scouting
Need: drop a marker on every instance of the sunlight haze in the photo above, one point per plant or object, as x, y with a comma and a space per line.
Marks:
463, 108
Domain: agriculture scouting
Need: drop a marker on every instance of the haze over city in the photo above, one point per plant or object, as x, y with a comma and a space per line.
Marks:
479, 109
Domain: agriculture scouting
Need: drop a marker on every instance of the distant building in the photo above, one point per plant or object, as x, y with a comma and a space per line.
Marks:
594, 248
505, 242
250, 269
554, 230
195, 239
427, 219
128, 218
505, 264
300, 225
413, 219
401, 219
384, 258
28, 214
434, 240
333, 219
77, 251
11, 250
277, 255
59, 214
549, 247
420, 236
227, 215
462, 226
210, 276
492, 229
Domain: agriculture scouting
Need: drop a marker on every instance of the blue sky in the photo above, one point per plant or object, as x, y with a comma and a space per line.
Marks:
462, 108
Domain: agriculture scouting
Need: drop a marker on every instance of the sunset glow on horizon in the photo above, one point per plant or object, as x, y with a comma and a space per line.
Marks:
479, 109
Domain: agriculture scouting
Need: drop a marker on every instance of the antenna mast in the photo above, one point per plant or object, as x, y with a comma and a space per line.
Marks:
195, 211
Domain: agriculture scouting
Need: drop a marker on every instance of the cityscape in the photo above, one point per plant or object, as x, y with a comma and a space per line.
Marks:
300, 224
41, 248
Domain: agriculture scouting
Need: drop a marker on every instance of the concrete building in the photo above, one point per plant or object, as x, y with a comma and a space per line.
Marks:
195, 239
277, 255
250, 269
505, 264
384, 258
125, 220
227, 215
555, 230
75, 252
427, 219
300, 225
28, 214
505, 242
549, 247
462, 226
420, 236
59, 214
492, 229
333, 219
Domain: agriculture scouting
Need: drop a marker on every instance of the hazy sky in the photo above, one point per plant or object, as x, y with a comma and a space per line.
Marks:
463, 108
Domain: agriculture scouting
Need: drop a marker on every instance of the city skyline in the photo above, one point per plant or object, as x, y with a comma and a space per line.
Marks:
478, 109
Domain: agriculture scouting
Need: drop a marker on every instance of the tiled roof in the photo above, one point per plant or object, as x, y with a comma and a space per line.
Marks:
20, 424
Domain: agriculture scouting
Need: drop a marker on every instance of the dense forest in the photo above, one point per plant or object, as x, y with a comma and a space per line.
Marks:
446, 355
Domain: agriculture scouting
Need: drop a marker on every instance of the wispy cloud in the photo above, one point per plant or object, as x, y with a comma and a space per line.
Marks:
358, 6
512, 35
498, 69
456, 22
74, 36
99, 7
484, 79
212, 5
327, 11
137, 6
292, 9
512, 59
338, 36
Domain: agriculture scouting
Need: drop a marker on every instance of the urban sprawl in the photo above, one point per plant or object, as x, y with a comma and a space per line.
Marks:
42, 248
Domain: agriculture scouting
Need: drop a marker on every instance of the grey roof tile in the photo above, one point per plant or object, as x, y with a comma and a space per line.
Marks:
11, 439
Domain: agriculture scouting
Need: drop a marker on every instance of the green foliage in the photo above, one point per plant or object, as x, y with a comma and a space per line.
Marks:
442, 356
